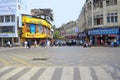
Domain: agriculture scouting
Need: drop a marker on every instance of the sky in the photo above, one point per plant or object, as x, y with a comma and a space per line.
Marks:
63, 10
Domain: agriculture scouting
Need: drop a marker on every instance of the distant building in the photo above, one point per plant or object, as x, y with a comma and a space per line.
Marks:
43, 13
10, 11
69, 30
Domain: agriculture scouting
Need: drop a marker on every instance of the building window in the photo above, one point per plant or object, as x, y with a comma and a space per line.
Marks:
90, 21
98, 19
40, 29
12, 18
111, 2
1, 19
7, 29
112, 17
89, 7
98, 4
7, 18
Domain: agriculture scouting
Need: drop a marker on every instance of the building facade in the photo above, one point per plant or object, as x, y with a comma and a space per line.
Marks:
70, 30
99, 20
35, 28
10, 11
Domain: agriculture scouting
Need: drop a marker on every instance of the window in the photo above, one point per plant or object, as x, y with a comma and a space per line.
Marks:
98, 19
89, 6
90, 21
111, 2
112, 17
98, 4
1, 19
7, 18
40, 29
12, 18
7, 29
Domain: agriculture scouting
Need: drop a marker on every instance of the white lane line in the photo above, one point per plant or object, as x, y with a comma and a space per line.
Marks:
12, 73
29, 74
47, 74
67, 73
85, 73
101, 74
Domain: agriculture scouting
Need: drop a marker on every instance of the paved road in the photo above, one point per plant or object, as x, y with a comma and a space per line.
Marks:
60, 63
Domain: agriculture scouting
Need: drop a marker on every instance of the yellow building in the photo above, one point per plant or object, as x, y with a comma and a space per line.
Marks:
35, 28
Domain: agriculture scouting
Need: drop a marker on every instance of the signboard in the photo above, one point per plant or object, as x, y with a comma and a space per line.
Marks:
8, 35
33, 28
104, 31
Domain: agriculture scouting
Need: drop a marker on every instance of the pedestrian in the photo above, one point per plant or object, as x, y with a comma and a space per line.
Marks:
9, 44
25, 44
35, 44
29, 44
48, 43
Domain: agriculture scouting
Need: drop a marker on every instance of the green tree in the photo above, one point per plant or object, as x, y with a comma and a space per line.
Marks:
56, 34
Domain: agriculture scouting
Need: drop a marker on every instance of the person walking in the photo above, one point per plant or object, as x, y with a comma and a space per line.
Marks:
48, 43
29, 44
35, 44
25, 44
9, 44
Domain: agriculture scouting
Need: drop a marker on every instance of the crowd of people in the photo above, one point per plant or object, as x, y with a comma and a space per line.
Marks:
52, 42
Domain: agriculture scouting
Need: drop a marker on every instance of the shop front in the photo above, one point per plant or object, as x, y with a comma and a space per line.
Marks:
104, 36
34, 28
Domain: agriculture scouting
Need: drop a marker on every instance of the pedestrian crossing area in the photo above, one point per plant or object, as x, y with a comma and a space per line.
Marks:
105, 72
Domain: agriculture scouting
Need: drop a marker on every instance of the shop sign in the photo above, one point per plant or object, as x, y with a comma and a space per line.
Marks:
30, 35
35, 35
104, 31
8, 35
81, 34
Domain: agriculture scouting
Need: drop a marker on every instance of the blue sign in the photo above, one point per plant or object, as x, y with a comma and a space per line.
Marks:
32, 28
104, 31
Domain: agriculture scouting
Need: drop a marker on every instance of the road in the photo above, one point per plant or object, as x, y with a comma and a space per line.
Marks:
60, 63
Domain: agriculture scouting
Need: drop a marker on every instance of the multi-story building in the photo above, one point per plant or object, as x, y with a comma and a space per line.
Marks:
100, 20
10, 11
45, 14
35, 29
70, 30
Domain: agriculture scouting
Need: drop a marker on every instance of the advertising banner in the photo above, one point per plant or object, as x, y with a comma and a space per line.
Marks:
32, 28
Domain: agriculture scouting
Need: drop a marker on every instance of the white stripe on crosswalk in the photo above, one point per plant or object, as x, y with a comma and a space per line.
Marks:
67, 73
85, 73
4, 69
12, 73
29, 74
47, 74
101, 74
112, 70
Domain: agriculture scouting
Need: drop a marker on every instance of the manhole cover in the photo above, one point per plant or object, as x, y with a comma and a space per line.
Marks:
44, 59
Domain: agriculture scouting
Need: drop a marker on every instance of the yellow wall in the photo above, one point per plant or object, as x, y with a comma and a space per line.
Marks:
30, 20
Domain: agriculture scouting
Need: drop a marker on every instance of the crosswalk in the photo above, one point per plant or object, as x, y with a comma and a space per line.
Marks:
105, 72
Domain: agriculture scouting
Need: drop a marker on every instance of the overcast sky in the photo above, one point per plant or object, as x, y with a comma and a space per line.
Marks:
63, 10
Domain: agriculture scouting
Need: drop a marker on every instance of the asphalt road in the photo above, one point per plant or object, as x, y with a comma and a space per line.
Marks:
60, 56
60, 63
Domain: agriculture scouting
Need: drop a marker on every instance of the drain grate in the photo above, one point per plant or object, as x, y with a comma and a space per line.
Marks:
43, 59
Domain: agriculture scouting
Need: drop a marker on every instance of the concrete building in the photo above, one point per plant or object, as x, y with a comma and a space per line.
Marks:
70, 30
43, 13
99, 20
10, 12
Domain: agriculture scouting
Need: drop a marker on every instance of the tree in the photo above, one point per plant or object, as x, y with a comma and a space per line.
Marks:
56, 34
